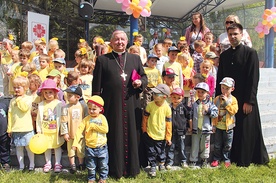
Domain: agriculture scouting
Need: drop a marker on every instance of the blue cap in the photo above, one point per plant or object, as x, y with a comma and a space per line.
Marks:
153, 56
173, 48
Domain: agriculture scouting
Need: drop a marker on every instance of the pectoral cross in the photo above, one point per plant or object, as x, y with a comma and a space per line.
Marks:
123, 75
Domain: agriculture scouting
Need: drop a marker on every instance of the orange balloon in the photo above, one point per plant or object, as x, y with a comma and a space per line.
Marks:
132, 6
274, 28
139, 9
265, 16
269, 24
268, 11
261, 35
136, 14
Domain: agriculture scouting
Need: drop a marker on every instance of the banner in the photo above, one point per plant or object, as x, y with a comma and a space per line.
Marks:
38, 26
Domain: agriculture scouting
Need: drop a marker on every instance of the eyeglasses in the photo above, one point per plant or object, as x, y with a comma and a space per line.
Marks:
229, 22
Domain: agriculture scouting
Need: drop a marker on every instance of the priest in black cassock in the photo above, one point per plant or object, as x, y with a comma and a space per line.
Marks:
241, 63
119, 78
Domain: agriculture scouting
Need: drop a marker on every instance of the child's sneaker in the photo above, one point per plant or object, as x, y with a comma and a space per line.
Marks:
47, 167
204, 163
152, 172
227, 164
184, 165
58, 168
73, 168
161, 167
215, 163
193, 165
81, 167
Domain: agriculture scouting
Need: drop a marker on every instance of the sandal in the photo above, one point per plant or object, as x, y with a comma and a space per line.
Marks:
58, 168
47, 167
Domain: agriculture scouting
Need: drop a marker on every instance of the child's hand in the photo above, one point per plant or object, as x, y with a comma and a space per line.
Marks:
10, 134
66, 137
214, 129
205, 108
74, 148
223, 97
189, 129
169, 142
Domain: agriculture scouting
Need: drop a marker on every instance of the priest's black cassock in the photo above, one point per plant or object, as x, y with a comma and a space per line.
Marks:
122, 109
242, 64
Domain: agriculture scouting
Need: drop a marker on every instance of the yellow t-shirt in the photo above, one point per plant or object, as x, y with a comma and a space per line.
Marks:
95, 130
19, 115
42, 73
177, 69
156, 125
87, 91
154, 77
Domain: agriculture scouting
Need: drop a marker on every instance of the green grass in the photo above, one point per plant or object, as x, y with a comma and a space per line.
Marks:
252, 174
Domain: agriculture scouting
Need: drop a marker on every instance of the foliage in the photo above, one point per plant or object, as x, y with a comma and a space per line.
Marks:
233, 174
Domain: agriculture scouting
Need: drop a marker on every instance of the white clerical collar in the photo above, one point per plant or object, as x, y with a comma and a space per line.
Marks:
119, 53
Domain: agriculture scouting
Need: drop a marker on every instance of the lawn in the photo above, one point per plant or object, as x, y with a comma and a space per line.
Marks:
252, 174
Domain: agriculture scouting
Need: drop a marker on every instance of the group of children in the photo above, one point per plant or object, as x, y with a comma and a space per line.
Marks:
177, 100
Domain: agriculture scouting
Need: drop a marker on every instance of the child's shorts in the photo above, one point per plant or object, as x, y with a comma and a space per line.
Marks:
22, 138
80, 149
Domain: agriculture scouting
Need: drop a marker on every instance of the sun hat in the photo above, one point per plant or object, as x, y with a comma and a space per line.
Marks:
228, 82
203, 86
74, 89
173, 48
53, 73
210, 55
162, 88
168, 72
178, 91
97, 100
48, 84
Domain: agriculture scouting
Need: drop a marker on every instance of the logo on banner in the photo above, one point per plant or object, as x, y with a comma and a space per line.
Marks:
39, 29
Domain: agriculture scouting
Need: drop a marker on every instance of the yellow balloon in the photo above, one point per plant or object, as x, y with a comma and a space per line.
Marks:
38, 144
264, 22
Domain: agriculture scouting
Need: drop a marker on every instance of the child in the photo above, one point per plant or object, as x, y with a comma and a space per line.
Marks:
205, 68
168, 76
44, 61
83, 44
95, 128
187, 72
202, 111
185, 49
73, 79
157, 127
134, 49
214, 59
154, 78
24, 56
172, 53
14, 64
41, 49
59, 53
157, 50
20, 127
225, 122
60, 65
4, 138
71, 117
197, 55
86, 67
208, 39
166, 45
197, 78
79, 55
180, 117
53, 46
48, 123
35, 83
138, 39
